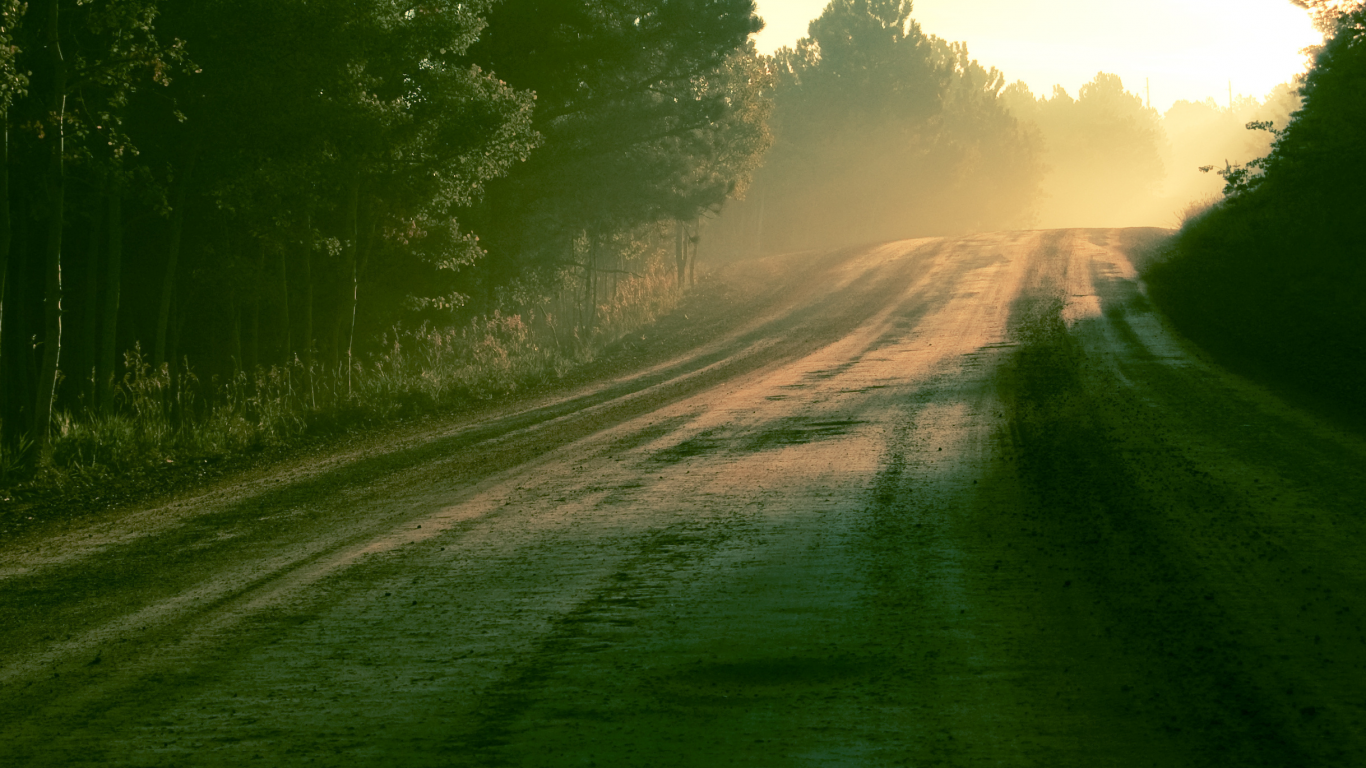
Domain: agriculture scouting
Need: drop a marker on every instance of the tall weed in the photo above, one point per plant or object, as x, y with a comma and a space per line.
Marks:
639, 301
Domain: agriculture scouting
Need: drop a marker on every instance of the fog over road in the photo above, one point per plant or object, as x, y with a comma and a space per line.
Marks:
935, 502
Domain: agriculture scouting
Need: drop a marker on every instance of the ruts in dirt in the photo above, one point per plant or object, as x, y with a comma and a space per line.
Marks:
947, 502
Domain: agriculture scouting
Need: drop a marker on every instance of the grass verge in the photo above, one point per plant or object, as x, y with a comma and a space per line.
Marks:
166, 429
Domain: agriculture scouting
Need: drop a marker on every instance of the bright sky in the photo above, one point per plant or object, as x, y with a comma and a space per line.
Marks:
1187, 50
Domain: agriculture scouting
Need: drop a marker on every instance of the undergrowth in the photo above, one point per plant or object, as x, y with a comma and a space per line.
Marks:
1271, 302
160, 417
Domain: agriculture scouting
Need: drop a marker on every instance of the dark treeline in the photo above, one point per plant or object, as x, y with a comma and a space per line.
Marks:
1273, 277
228, 185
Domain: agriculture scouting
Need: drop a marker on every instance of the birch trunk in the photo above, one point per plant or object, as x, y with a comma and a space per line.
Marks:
52, 292
5, 233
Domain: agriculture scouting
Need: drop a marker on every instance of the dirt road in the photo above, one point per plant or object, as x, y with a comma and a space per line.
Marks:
943, 502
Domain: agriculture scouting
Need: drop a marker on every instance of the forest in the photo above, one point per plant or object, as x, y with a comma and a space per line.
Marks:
215, 210
224, 225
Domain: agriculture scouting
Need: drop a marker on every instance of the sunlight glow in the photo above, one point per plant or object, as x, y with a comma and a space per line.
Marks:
1185, 50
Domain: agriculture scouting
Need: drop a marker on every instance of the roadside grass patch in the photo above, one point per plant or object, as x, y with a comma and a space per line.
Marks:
170, 424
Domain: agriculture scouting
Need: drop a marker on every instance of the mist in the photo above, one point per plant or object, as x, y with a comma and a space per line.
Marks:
882, 132
1113, 161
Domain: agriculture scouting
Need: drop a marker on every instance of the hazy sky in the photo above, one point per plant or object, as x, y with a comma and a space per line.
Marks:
1189, 50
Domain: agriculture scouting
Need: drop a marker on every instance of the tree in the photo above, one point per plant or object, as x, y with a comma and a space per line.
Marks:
259, 179
650, 112
1272, 276
86, 59
1104, 150
884, 132
359, 127
13, 85
358, 119
1317, 161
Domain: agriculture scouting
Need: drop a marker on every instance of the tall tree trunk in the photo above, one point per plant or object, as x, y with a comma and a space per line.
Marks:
52, 315
350, 265
252, 353
306, 338
253, 350
358, 269
286, 345
52, 292
5, 232
172, 354
113, 268
235, 340
680, 251
172, 260
307, 278
20, 372
692, 260
618, 266
90, 310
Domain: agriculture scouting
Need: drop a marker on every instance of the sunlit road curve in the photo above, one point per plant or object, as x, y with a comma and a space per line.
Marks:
937, 502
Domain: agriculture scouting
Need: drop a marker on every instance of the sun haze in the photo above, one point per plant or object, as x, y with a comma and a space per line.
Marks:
1182, 50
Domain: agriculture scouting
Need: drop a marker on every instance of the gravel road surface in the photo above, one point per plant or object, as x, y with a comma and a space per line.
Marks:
930, 503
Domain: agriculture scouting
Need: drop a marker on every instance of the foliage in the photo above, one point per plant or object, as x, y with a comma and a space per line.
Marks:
13, 80
162, 420
1273, 276
651, 111
273, 185
1205, 136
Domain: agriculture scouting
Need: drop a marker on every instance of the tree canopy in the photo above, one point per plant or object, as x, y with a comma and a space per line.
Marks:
652, 111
